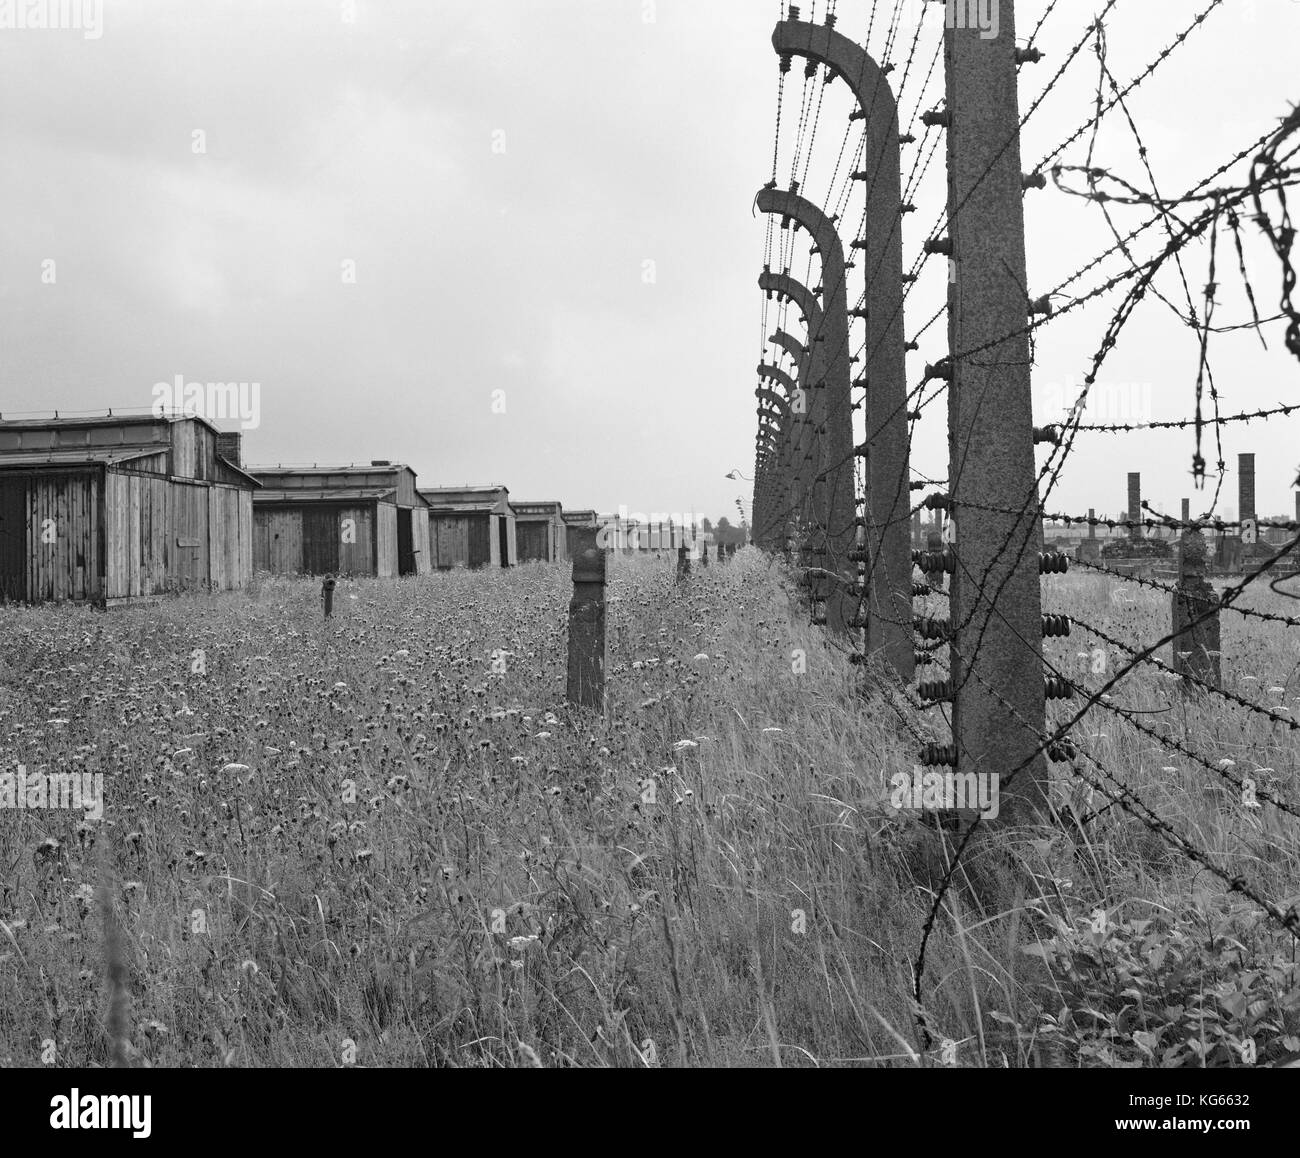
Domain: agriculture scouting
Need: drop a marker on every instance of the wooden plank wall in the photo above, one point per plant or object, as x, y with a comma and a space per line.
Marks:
194, 452
230, 548
13, 538
420, 533
534, 540
147, 533
277, 540
185, 451
245, 537
386, 541
449, 535
358, 557
68, 567
404, 479
189, 536
324, 527
138, 535
480, 540
279, 544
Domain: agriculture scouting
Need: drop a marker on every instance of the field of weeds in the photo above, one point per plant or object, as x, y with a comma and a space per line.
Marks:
385, 840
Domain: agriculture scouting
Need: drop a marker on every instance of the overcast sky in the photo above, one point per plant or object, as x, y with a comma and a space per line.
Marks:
552, 199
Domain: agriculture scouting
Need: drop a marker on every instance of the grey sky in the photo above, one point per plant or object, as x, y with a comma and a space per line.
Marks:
521, 268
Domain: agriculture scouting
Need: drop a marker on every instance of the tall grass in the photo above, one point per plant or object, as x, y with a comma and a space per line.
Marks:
385, 840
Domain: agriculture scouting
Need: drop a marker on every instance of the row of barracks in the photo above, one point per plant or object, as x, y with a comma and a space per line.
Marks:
117, 509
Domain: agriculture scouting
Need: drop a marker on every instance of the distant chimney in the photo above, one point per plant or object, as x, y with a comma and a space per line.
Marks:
228, 447
1246, 485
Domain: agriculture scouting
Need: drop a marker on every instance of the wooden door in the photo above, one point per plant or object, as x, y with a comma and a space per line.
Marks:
13, 539
320, 541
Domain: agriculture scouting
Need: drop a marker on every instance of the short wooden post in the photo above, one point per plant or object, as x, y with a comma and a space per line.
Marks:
683, 563
327, 595
1196, 645
704, 554
587, 642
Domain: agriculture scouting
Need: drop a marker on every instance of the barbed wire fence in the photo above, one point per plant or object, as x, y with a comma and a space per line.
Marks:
995, 698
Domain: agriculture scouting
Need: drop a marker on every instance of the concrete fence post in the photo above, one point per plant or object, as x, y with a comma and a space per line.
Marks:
796, 516
1196, 648
588, 647
783, 416
999, 711
834, 518
683, 563
887, 476
327, 595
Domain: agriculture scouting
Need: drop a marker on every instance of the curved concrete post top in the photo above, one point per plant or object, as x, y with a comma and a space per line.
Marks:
779, 376
781, 405
790, 344
795, 292
845, 58
816, 222
770, 420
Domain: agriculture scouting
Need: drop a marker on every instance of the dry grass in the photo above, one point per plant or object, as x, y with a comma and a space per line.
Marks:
379, 841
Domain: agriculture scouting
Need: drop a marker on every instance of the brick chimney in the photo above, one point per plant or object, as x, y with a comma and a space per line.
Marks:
228, 447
